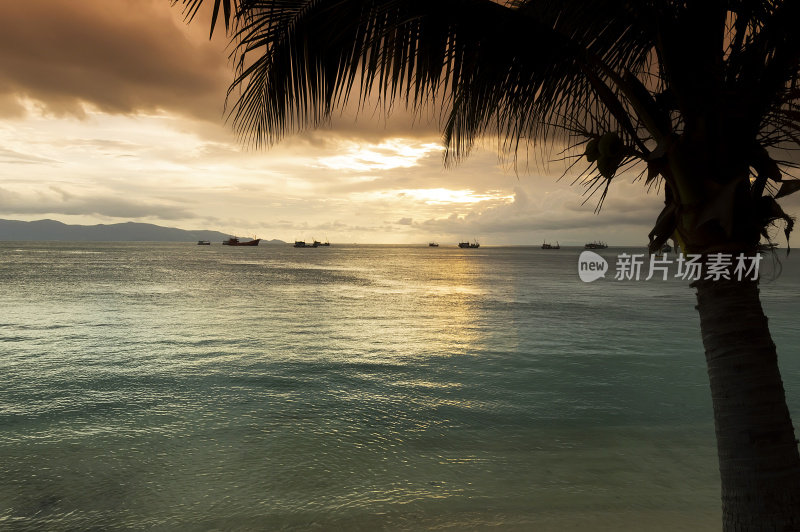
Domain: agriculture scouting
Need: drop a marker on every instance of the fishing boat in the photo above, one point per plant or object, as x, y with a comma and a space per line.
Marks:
203, 243
302, 244
234, 241
469, 245
545, 245
433, 244
596, 245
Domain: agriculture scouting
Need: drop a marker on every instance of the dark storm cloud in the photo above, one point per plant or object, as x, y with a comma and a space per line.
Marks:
121, 56
129, 56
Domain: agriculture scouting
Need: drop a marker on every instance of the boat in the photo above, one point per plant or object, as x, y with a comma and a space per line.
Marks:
234, 241
203, 243
545, 245
302, 244
596, 245
469, 245
433, 244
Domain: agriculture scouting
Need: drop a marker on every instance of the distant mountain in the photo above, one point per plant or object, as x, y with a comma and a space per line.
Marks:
124, 232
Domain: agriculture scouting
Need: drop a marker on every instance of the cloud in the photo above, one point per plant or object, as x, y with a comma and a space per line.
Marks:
15, 157
10, 105
63, 58
119, 57
553, 212
389, 154
56, 201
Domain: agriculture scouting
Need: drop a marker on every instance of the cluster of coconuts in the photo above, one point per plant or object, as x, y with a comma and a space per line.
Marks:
607, 152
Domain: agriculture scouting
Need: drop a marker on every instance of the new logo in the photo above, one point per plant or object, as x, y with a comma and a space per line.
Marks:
591, 266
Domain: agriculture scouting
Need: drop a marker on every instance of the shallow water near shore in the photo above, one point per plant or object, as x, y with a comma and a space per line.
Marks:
182, 387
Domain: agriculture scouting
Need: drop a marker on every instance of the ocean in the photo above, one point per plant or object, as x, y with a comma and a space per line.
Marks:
169, 386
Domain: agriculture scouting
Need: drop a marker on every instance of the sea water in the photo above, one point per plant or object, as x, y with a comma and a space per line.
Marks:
157, 386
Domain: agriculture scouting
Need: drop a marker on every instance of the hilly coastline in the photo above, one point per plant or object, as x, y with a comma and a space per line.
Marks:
52, 230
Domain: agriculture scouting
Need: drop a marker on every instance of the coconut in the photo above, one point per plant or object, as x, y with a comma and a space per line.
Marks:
592, 151
610, 145
608, 165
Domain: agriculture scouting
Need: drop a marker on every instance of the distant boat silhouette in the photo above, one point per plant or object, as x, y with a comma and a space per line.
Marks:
472, 245
545, 245
302, 244
433, 244
596, 245
203, 243
234, 241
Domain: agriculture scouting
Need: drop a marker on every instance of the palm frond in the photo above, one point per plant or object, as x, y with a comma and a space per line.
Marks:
529, 71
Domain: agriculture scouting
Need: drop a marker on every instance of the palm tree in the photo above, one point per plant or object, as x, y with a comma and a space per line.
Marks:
701, 96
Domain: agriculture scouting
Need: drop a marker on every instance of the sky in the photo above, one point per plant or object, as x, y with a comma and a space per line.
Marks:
113, 111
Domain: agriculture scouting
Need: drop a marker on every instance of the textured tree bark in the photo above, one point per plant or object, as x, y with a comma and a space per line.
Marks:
758, 456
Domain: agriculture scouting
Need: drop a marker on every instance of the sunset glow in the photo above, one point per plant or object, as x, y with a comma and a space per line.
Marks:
443, 196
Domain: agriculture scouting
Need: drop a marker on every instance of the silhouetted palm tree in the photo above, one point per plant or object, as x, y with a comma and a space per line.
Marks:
701, 94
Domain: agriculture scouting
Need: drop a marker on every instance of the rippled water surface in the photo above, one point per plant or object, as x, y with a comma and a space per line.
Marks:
182, 387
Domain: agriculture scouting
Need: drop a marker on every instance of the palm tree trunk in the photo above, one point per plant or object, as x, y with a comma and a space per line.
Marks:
758, 457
